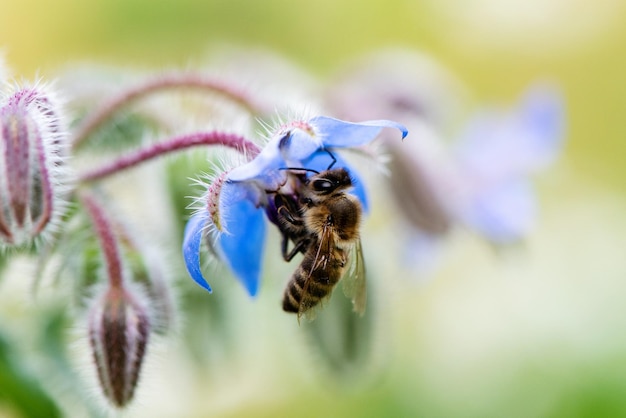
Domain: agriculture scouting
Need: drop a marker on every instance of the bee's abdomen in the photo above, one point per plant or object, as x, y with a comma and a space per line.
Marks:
293, 293
299, 295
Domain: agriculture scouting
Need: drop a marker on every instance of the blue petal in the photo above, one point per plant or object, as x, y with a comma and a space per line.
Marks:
542, 113
262, 171
320, 161
338, 133
231, 194
242, 244
299, 145
191, 249
330, 132
503, 214
499, 144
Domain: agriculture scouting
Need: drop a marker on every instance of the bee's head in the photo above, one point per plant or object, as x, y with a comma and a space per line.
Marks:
330, 181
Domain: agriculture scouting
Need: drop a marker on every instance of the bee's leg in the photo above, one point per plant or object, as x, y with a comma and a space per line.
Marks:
290, 224
288, 209
284, 247
299, 247
288, 216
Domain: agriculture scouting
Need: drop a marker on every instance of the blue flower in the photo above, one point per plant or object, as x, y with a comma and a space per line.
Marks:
236, 202
496, 157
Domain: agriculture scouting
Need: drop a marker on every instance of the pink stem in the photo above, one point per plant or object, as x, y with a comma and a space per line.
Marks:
165, 82
175, 144
104, 231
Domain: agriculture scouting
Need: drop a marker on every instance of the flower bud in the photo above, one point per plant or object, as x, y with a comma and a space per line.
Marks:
32, 173
118, 333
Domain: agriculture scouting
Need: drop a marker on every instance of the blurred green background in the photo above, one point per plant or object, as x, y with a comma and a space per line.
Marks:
543, 339
496, 47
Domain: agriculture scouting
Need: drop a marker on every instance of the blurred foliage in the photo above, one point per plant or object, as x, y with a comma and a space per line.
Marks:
38, 37
123, 130
21, 389
3, 262
343, 341
180, 170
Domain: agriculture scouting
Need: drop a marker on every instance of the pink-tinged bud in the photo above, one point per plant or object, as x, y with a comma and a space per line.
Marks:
119, 327
33, 176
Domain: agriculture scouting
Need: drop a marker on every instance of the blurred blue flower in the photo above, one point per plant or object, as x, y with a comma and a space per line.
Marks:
483, 179
236, 202
496, 157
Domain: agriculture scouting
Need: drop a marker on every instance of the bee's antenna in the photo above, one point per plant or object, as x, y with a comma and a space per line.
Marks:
300, 169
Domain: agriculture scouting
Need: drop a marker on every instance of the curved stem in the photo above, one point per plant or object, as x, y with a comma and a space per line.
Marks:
164, 82
104, 230
175, 144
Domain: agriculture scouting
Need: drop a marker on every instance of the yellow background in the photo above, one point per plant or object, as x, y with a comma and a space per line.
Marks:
496, 47
551, 334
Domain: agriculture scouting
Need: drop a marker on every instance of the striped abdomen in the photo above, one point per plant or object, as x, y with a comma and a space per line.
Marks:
314, 279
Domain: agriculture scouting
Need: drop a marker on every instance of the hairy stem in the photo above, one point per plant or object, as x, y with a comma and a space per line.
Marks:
165, 82
104, 230
174, 144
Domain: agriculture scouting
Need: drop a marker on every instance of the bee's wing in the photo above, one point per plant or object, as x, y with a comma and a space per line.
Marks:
324, 252
354, 280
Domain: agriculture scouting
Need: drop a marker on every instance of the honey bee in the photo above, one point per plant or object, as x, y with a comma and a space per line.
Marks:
323, 224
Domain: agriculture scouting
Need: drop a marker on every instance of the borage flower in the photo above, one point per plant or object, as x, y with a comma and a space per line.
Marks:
482, 180
237, 201
497, 156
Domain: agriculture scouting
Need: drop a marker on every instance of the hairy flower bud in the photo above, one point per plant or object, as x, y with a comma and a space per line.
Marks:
33, 176
119, 327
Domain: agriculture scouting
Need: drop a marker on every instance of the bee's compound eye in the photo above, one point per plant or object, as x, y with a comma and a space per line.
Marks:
323, 185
